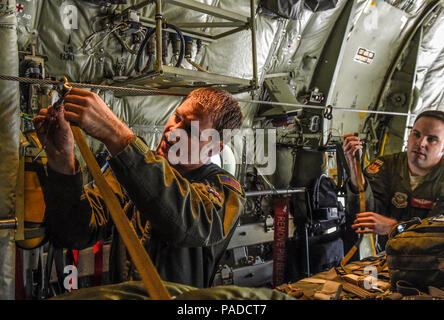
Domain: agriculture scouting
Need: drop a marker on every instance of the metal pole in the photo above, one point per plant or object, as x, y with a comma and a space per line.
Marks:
158, 18
8, 224
273, 192
307, 253
253, 43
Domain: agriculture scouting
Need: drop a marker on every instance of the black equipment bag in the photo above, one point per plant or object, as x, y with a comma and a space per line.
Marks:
324, 201
317, 245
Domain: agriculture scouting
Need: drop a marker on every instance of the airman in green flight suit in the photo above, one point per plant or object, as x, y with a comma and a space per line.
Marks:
400, 186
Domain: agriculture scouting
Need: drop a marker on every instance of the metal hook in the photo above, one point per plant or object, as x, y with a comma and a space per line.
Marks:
328, 113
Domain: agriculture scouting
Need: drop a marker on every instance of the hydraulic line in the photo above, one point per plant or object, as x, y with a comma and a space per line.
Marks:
149, 34
151, 53
182, 44
188, 54
125, 44
164, 46
145, 41
91, 37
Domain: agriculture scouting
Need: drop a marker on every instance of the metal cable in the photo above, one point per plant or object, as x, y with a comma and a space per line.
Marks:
135, 91
143, 91
326, 107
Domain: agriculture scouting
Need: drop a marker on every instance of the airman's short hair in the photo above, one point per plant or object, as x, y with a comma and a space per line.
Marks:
223, 108
431, 114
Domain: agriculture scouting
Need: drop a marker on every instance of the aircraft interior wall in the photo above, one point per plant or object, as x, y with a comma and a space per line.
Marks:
311, 60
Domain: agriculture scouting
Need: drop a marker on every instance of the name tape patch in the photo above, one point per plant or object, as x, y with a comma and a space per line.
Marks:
422, 203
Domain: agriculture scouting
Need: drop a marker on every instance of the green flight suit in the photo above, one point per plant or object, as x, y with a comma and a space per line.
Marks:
388, 191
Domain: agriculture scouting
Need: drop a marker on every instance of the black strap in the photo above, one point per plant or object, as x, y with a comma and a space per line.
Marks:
59, 259
342, 166
48, 271
406, 288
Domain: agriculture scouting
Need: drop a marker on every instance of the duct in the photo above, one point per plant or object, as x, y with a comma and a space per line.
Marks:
430, 66
178, 14
362, 92
9, 139
304, 39
26, 21
237, 61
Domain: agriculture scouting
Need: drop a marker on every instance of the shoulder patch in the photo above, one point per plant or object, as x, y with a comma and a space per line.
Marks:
375, 166
229, 181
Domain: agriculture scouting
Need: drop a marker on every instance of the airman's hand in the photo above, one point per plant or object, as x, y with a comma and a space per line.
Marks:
55, 135
90, 113
351, 145
371, 222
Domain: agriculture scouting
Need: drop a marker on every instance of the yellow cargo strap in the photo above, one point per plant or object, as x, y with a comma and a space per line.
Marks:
150, 277
362, 208
140, 257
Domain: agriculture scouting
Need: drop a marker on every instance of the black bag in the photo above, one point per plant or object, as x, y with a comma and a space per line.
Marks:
319, 234
325, 204
415, 253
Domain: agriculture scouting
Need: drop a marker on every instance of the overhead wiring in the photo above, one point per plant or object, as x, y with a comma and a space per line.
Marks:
106, 32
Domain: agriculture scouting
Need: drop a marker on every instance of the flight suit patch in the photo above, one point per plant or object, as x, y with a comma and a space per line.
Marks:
422, 203
227, 180
399, 200
214, 193
375, 166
